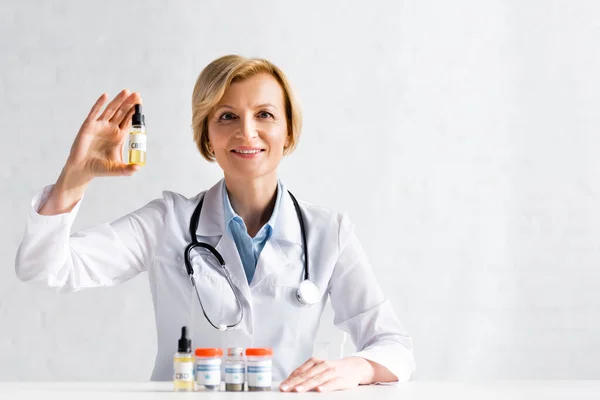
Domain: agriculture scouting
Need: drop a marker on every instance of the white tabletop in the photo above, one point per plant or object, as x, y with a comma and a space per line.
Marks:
513, 390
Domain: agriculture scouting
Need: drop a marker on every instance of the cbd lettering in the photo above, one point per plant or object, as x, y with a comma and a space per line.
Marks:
182, 375
137, 146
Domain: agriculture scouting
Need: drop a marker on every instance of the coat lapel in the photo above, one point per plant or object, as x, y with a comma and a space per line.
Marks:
273, 259
287, 226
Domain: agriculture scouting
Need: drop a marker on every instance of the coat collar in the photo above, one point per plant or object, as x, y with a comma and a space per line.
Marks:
212, 217
287, 226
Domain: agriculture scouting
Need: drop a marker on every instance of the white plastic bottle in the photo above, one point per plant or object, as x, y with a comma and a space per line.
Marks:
235, 370
208, 368
259, 363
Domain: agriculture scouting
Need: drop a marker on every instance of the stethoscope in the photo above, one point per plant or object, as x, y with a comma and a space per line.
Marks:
307, 294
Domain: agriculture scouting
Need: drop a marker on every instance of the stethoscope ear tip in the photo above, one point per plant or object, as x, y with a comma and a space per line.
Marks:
308, 293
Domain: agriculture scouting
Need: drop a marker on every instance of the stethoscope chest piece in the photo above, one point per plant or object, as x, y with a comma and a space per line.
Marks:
308, 293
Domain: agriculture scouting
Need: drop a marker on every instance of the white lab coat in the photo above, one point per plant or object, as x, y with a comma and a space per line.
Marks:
153, 239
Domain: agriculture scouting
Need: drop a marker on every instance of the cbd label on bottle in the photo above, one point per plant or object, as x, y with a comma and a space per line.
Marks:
137, 141
137, 138
184, 369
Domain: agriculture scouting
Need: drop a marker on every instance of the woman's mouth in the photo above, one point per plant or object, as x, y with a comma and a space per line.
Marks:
247, 153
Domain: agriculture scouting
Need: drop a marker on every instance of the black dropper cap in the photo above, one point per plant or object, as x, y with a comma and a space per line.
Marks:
184, 344
138, 117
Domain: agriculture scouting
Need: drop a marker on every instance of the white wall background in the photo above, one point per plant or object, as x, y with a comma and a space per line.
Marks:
461, 136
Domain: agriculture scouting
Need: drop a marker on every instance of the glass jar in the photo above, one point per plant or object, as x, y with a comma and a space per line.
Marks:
208, 368
235, 369
259, 363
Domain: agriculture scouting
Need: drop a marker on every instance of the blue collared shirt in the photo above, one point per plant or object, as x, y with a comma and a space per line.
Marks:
249, 248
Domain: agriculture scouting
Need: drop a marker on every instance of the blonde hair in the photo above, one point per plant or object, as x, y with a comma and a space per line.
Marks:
216, 77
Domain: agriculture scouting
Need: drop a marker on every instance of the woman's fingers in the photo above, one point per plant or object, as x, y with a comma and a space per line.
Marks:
333, 384
130, 169
319, 375
102, 167
119, 111
326, 375
114, 105
123, 170
121, 114
93, 114
302, 373
126, 122
304, 367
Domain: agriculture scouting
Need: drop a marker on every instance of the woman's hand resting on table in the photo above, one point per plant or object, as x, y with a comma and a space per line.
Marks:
330, 375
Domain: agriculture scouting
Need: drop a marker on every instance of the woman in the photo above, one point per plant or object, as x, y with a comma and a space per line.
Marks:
246, 118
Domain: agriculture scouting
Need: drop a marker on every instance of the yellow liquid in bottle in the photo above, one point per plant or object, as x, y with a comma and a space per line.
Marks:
183, 381
137, 145
183, 386
137, 157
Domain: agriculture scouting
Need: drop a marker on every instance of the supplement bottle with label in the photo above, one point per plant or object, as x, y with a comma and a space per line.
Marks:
208, 368
259, 369
235, 369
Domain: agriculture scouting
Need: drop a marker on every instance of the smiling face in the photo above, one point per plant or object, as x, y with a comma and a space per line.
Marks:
247, 131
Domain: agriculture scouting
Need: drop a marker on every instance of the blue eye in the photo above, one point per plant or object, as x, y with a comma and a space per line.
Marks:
227, 116
265, 114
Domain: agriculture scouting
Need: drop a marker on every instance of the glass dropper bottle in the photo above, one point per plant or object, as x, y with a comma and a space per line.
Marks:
137, 137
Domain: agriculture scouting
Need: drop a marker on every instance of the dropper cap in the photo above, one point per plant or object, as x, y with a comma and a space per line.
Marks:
138, 117
185, 344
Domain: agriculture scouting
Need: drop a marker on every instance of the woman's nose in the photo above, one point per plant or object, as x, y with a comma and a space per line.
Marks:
247, 128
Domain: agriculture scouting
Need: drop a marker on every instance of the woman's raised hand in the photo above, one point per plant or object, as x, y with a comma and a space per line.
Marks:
96, 151
98, 147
